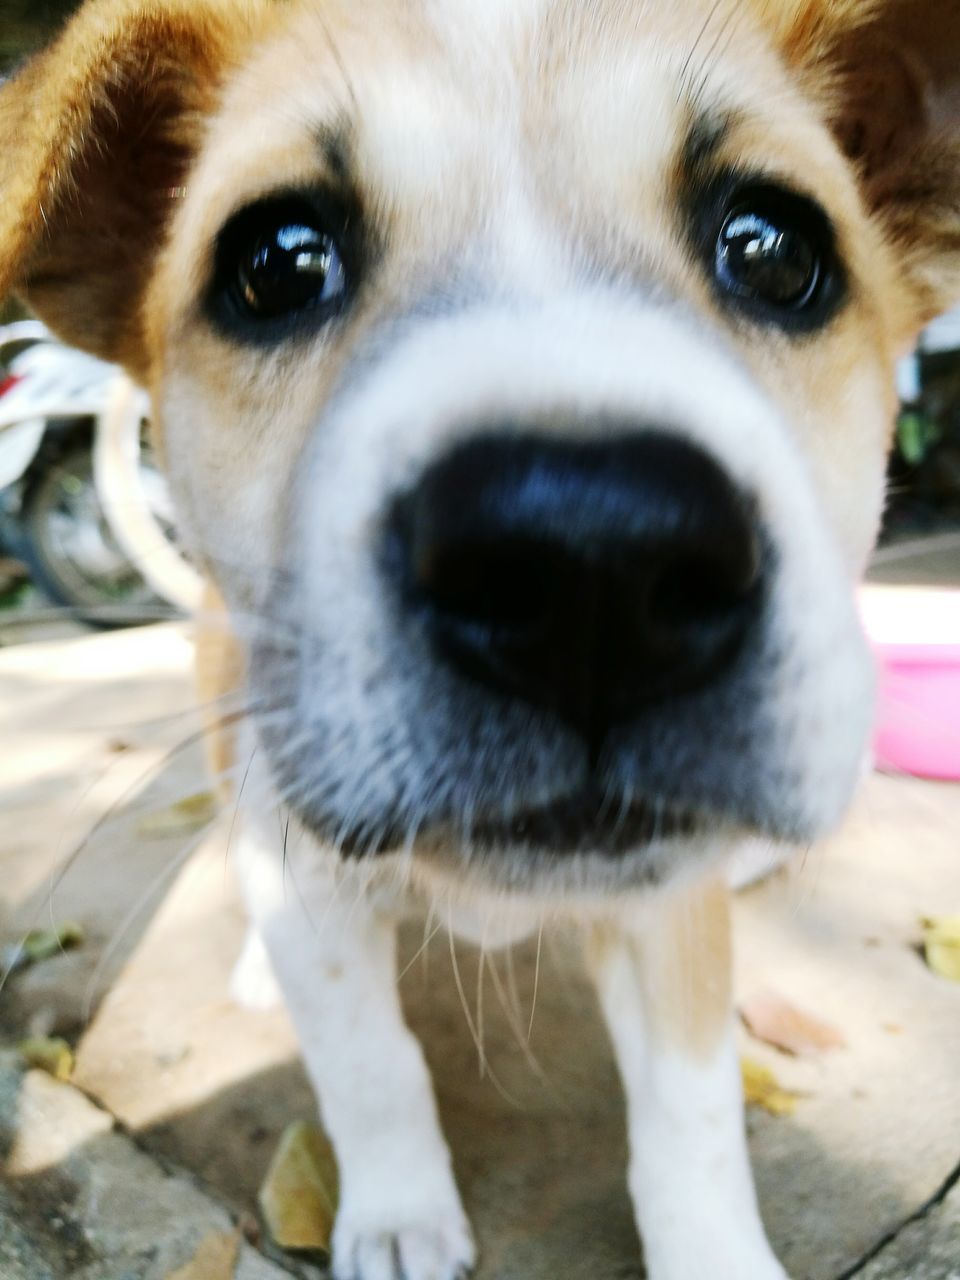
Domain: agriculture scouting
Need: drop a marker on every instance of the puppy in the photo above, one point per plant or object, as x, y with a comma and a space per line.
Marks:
524, 376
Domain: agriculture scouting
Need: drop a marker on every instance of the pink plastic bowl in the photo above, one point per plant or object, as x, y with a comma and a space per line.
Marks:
916, 636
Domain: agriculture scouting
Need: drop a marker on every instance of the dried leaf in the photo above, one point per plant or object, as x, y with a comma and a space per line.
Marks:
215, 1259
941, 946
299, 1194
770, 1018
181, 818
42, 944
48, 1054
762, 1089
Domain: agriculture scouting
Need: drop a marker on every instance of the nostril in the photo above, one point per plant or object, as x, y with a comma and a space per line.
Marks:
504, 585
696, 589
498, 614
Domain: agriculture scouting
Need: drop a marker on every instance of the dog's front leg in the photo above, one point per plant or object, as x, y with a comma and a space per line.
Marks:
334, 955
664, 982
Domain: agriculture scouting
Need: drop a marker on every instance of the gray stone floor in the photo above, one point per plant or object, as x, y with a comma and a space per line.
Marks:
160, 1142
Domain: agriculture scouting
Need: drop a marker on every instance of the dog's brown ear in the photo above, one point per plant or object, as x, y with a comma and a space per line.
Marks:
96, 135
888, 74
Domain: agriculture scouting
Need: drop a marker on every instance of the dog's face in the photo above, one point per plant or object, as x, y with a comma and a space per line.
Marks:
524, 374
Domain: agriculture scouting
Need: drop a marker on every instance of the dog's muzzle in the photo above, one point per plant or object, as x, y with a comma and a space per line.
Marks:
604, 616
593, 580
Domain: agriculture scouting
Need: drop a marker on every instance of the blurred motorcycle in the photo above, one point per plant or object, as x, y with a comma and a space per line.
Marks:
83, 503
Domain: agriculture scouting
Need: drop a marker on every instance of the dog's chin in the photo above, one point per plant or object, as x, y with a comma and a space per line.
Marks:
583, 824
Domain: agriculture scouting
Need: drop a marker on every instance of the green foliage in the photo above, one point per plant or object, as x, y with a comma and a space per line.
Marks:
916, 436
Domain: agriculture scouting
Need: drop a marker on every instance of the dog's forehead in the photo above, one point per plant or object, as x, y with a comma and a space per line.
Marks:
437, 96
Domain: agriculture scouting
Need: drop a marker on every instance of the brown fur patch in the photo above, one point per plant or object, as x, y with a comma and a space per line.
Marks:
219, 669
681, 960
96, 135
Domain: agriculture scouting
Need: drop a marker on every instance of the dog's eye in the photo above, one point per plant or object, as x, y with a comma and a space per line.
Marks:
278, 259
763, 257
774, 254
289, 268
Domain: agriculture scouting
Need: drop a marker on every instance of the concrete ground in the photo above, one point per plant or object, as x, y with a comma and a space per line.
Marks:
146, 1165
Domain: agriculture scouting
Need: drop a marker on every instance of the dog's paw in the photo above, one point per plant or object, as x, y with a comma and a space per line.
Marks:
439, 1250
736, 1263
252, 983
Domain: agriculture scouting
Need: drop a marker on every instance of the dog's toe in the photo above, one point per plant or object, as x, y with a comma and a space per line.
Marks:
436, 1252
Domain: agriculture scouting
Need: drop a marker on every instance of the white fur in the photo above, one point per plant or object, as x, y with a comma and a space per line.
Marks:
253, 984
690, 1175
332, 947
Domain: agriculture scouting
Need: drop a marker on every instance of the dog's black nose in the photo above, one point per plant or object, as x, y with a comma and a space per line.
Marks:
593, 579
